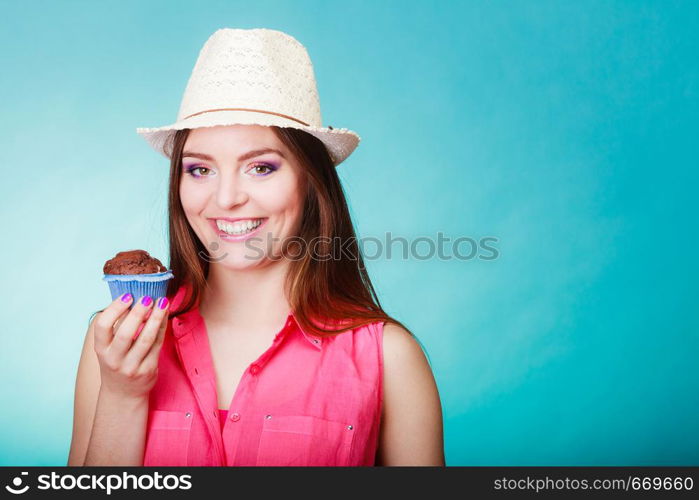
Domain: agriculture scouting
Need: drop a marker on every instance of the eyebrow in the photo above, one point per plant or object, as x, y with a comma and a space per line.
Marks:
243, 157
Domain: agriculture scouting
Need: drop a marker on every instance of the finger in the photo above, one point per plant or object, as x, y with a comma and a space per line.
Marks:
123, 338
151, 359
148, 335
123, 316
142, 325
104, 324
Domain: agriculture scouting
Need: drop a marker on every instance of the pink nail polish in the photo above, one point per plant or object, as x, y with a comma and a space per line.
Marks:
126, 297
162, 303
146, 300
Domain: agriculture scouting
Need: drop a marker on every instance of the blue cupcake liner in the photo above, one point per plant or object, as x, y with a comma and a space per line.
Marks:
138, 285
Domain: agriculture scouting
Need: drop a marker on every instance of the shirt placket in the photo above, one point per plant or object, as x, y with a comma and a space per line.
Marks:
200, 374
239, 416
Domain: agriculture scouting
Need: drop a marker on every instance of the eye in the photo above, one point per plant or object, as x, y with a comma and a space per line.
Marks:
191, 171
262, 169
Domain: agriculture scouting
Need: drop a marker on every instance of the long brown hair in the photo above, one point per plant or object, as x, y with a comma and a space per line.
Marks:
327, 296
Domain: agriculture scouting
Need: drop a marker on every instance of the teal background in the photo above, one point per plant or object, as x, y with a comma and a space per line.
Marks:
567, 130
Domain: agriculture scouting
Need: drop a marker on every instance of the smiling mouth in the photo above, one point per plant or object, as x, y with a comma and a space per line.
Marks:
238, 228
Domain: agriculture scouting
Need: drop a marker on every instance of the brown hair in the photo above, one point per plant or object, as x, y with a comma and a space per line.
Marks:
336, 293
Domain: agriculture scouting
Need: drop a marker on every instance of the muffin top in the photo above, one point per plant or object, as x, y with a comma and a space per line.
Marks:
133, 262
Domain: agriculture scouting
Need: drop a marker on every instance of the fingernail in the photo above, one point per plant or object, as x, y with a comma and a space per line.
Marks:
146, 300
126, 297
162, 302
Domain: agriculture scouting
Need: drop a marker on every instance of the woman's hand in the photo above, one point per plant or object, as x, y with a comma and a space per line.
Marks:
127, 348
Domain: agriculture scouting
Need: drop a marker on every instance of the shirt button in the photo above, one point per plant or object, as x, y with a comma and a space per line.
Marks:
254, 369
235, 417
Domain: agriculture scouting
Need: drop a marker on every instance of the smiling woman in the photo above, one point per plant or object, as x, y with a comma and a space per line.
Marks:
277, 350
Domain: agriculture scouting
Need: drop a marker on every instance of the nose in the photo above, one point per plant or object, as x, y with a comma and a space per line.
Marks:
231, 191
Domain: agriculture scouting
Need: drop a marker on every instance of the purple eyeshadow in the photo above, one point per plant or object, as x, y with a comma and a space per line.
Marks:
271, 166
190, 168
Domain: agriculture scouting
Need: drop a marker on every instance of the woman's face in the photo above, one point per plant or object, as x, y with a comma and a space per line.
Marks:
241, 202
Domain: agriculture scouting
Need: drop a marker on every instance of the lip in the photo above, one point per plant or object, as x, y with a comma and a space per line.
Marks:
240, 237
233, 219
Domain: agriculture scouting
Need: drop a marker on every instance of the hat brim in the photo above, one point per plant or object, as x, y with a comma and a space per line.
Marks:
340, 142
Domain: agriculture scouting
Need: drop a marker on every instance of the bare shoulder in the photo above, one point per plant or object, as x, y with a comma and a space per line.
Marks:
401, 349
411, 428
405, 361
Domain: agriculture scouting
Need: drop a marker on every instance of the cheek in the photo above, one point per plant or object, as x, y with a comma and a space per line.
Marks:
193, 200
281, 201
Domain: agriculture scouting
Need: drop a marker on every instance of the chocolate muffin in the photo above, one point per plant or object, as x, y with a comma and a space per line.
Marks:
133, 262
136, 272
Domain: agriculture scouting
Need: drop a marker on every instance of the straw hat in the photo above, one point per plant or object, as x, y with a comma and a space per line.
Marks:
253, 76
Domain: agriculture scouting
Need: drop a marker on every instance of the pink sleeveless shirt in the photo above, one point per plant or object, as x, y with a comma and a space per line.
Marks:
306, 401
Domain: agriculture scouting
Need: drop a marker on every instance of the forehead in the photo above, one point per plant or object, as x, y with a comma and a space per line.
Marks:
230, 140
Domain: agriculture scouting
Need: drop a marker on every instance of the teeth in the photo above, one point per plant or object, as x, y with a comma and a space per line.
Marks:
239, 227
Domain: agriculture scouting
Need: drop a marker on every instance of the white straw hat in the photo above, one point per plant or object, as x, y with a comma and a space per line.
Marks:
253, 76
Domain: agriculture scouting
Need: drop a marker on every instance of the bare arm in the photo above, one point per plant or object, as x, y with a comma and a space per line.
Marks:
411, 424
87, 386
119, 433
115, 375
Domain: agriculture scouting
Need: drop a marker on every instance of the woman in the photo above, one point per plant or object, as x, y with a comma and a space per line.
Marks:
271, 347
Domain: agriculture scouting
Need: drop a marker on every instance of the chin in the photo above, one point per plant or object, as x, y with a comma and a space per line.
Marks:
240, 262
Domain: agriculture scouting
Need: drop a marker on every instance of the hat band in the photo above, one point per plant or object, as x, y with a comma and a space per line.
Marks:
247, 109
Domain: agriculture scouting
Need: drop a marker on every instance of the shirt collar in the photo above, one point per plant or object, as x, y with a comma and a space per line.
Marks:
314, 340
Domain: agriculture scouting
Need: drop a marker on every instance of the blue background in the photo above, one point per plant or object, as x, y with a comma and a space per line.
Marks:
567, 130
